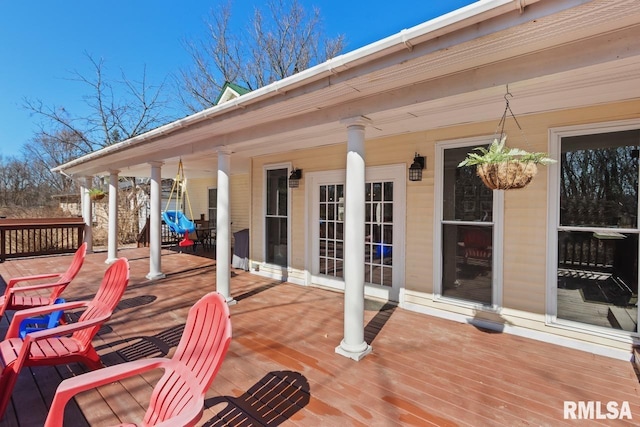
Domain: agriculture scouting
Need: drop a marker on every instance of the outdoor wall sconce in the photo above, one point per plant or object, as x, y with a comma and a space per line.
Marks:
294, 178
415, 170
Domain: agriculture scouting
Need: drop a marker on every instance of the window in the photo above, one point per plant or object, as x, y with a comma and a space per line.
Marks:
468, 254
213, 207
597, 229
276, 218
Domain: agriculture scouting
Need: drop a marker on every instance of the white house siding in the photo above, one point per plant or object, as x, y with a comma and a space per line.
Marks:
199, 196
240, 202
198, 190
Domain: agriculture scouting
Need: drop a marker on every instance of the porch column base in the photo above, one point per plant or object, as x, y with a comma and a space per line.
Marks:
155, 276
353, 352
110, 260
231, 301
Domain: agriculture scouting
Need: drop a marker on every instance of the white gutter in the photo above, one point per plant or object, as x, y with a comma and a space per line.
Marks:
469, 15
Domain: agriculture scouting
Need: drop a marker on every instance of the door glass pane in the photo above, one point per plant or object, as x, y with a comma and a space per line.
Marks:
467, 250
379, 233
598, 270
331, 229
599, 180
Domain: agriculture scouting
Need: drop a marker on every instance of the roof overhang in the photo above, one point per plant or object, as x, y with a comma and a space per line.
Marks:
553, 54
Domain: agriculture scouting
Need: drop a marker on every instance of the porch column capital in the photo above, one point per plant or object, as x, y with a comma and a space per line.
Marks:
361, 121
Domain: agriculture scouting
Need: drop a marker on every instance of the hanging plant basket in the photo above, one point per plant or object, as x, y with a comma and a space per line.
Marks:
96, 194
507, 175
504, 168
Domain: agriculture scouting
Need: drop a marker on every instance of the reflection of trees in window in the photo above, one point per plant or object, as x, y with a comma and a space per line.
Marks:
599, 179
473, 200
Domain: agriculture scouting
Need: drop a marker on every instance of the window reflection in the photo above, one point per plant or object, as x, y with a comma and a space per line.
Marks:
598, 264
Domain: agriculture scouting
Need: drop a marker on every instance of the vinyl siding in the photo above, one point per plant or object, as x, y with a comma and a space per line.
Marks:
525, 217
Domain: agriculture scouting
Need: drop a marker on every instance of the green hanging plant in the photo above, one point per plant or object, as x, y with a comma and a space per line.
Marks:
96, 194
503, 168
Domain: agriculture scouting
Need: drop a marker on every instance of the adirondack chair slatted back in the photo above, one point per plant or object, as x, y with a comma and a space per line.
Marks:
22, 297
106, 299
196, 361
72, 271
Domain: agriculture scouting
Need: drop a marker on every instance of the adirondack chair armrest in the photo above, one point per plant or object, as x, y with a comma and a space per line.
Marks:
67, 329
28, 288
93, 379
15, 280
19, 316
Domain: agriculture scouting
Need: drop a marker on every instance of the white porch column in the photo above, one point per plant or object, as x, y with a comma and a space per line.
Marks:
223, 228
112, 255
353, 345
87, 211
155, 233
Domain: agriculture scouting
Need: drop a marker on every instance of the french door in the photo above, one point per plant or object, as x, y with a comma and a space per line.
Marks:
384, 229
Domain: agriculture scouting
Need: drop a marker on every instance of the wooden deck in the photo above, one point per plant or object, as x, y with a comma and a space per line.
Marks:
281, 368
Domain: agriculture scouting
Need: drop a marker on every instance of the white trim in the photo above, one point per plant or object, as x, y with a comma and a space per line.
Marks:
497, 228
524, 332
553, 223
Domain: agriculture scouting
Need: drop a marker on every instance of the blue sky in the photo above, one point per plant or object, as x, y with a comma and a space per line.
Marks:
43, 43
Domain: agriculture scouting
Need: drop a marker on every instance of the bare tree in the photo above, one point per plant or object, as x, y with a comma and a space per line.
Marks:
115, 110
278, 42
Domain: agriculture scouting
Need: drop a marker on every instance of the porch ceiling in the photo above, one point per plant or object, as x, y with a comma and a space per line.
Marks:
551, 57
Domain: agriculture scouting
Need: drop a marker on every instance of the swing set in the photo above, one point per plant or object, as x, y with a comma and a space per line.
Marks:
175, 219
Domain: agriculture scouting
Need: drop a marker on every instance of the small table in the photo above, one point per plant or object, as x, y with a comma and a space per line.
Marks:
204, 236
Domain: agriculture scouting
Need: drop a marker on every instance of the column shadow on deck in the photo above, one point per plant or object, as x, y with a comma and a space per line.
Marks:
378, 321
257, 290
270, 402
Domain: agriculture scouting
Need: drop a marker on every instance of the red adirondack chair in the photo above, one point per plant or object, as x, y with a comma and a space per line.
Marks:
26, 296
178, 398
65, 343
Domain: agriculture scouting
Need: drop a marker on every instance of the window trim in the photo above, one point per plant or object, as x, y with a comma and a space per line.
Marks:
555, 136
438, 220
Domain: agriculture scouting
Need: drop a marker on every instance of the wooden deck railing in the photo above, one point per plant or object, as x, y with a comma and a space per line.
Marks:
41, 236
144, 237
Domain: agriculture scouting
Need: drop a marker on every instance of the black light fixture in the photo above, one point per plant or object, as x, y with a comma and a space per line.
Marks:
415, 170
294, 178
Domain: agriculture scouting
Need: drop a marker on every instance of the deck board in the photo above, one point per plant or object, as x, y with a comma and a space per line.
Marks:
423, 371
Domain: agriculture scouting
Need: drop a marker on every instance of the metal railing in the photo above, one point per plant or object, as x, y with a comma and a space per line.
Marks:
40, 236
